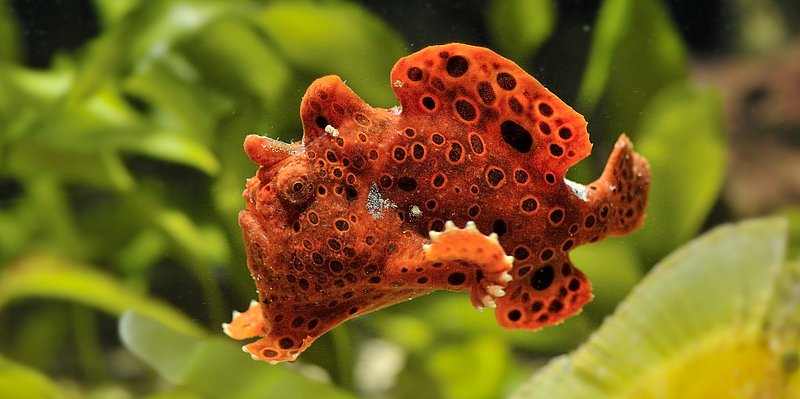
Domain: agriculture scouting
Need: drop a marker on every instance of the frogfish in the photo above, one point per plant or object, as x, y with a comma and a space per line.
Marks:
460, 187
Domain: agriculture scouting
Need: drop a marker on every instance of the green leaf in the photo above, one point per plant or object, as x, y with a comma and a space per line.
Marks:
635, 52
54, 278
171, 146
9, 50
204, 244
43, 204
232, 55
445, 315
33, 157
112, 11
793, 215
612, 268
520, 27
693, 328
177, 97
199, 247
24, 88
336, 38
472, 371
214, 367
148, 31
20, 382
175, 394
682, 136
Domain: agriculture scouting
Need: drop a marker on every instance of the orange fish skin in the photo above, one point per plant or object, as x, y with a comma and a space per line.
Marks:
461, 188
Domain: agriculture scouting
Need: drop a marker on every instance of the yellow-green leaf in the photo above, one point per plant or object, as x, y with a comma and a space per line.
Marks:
520, 27
682, 136
214, 367
20, 382
693, 328
635, 52
55, 278
336, 38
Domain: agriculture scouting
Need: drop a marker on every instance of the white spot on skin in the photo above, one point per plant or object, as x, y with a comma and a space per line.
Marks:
579, 190
376, 204
414, 211
397, 83
396, 110
332, 131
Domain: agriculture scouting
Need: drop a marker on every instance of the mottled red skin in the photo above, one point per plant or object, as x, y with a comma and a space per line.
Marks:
478, 139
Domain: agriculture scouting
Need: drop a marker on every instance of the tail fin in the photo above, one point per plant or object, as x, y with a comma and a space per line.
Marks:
620, 194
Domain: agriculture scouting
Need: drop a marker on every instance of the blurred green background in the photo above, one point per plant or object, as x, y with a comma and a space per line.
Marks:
121, 172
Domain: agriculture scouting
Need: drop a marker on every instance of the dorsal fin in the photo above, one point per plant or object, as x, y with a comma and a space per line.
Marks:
493, 96
328, 102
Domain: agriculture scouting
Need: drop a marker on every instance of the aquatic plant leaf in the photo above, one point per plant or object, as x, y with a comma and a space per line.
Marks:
177, 393
793, 215
613, 268
112, 11
472, 371
34, 157
635, 52
176, 96
55, 278
444, 315
20, 382
171, 146
336, 38
203, 243
520, 27
682, 134
9, 50
232, 55
213, 366
147, 32
693, 328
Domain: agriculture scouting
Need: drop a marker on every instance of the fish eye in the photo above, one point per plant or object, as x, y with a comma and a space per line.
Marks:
295, 186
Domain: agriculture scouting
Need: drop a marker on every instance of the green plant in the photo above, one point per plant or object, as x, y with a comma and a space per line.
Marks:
718, 317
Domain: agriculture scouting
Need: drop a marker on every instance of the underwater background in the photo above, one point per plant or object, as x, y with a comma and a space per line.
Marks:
122, 169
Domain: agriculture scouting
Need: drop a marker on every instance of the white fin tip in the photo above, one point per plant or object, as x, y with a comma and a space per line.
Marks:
496, 291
